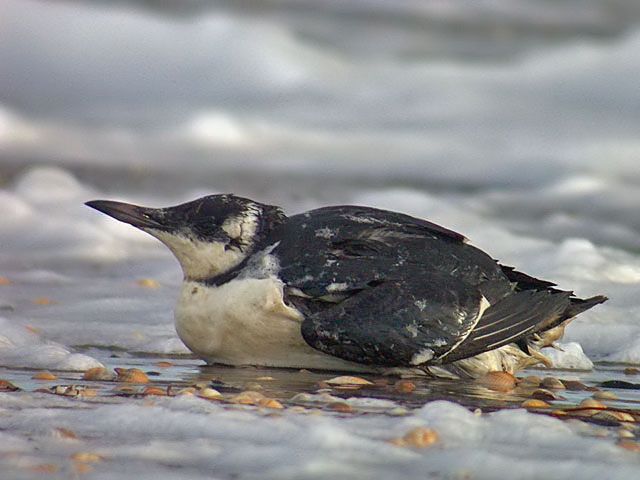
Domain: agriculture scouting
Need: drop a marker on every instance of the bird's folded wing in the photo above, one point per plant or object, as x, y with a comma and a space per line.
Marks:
395, 323
515, 316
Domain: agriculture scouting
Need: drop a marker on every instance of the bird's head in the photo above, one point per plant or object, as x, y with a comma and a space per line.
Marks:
209, 236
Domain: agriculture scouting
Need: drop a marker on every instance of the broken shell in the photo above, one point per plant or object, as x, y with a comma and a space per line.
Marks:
7, 386
148, 283
187, 391
552, 382
628, 445
131, 375
87, 392
574, 385
404, 386
604, 395
270, 403
44, 375
5, 281
163, 364
622, 416
265, 379
42, 300
594, 406
86, 457
542, 394
209, 393
153, 390
65, 433
340, 407
530, 381
98, 373
624, 433
419, 437
247, 398
534, 403
82, 467
498, 381
348, 380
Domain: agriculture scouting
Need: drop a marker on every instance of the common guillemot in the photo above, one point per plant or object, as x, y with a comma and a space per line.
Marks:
347, 288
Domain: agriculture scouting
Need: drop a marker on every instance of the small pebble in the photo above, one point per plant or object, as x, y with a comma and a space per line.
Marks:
270, 403
534, 403
530, 381
209, 393
131, 375
624, 433
419, 437
86, 457
265, 379
574, 385
5, 281
247, 398
44, 375
65, 433
82, 467
187, 391
148, 283
87, 392
604, 395
253, 386
628, 445
404, 386
98, 373
552, 382
153, 390
340, 406
631, 371
348, 380
594, 406
498, 381
542, 394
163, 364
42, 301
7, 386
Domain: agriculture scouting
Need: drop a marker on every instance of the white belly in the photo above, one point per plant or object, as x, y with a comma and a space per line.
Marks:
246, 322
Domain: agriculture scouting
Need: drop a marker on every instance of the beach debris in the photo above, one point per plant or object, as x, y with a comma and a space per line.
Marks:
628, 445
604, 395
153, 390
590, 407
404, 386
86, 457
209, 393
348, 380
498, 381
7, 386
163, 363
248, 397
534, 403
98, 373
131, 375
418, 437
552, 383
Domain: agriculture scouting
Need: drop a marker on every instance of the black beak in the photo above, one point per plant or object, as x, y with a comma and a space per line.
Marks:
139, 217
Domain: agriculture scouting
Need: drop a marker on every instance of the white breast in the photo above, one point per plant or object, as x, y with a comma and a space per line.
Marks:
246, 322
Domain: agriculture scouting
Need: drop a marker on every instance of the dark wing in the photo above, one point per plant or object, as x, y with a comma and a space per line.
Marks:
395, 323
349, 248
383, 288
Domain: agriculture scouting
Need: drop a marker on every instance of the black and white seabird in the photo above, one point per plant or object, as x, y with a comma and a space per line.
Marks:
347, 288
